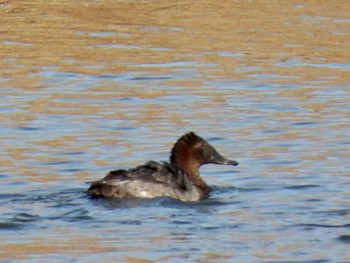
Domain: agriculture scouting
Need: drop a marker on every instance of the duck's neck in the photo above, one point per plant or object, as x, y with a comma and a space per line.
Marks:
192, 170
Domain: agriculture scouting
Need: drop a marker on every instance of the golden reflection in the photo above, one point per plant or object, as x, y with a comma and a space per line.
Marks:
40, 246
114, 36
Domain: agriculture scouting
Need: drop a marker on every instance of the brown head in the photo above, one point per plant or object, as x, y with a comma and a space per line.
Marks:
191, 151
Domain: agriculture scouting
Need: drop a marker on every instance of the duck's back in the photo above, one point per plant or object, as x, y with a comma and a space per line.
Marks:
150, 180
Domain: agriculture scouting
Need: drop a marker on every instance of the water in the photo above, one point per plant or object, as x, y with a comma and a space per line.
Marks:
92, 87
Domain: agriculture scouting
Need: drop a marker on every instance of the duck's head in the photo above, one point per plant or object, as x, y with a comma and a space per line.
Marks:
191, 151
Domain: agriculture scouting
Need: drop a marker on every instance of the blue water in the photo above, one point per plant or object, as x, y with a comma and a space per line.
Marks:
288, 198
286, 121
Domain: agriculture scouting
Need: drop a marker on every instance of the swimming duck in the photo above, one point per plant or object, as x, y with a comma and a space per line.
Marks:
178, 179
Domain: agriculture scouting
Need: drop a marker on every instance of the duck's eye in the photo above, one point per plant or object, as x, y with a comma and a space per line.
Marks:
202, 144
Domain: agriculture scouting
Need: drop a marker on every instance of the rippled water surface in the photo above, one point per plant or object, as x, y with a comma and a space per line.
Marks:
91, 86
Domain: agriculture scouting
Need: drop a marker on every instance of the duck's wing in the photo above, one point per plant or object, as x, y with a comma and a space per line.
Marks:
150, 173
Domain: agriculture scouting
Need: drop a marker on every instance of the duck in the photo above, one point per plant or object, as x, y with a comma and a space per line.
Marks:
178, 179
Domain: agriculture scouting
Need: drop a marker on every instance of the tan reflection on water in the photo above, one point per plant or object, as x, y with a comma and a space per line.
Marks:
236, 40
70, 35
77, 245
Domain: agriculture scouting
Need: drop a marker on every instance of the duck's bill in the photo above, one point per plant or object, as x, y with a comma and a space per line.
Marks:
218, 159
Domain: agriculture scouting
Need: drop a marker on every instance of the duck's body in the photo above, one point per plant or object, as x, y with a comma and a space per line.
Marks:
178, 179
150, 180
